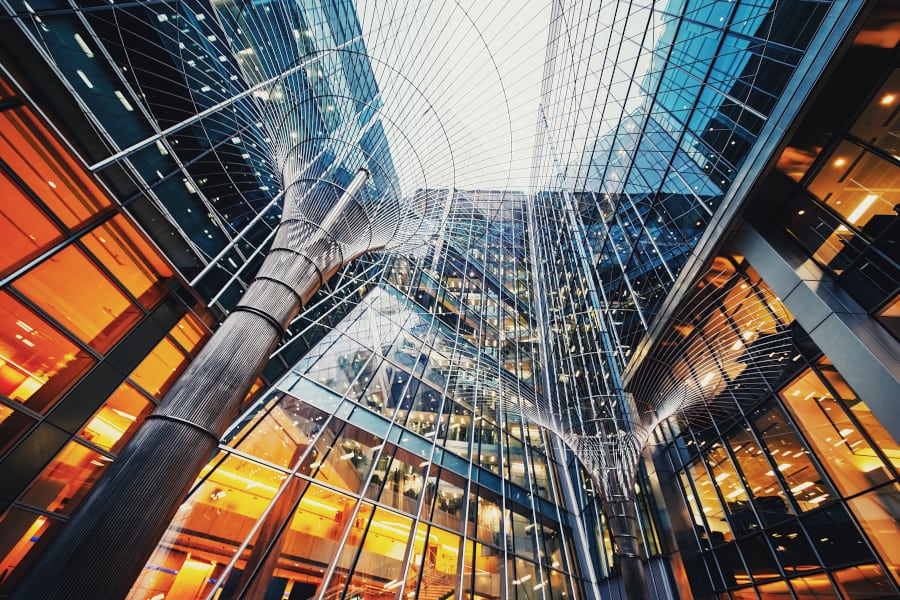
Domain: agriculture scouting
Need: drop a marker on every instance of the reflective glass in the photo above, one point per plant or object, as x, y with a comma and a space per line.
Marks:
134, 263
37, 363
118, 418
74, 291
48, 168
25, 230
160, 369
847, 456
25, 535
67, 479
878, 513
802, 478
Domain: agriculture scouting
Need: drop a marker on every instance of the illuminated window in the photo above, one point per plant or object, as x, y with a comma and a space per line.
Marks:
130, 259
66, 480
119, 417
844, 451
48, 168
25, 534
76, 293
189, 332
37, 363
160, 369
24, 229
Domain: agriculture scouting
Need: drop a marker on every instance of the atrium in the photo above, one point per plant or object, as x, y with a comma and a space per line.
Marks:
450, 300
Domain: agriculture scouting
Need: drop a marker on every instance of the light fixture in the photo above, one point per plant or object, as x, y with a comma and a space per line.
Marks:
887, 99
862, 208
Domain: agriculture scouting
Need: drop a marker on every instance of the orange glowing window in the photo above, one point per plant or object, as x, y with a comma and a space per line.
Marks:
24, 534
128, 256
189, 332
76, 293
37, 363
24, 229
158, 371
48, 168
112, 426
66, 480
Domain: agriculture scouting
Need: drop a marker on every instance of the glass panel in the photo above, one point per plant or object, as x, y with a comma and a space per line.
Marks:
488, 516
448, 502
132, 261
870, 423
24, 229
380, 561
792, 548
768, 495
349, 459
733, 569
813, 587
283, 433
732, 490
860, 186
865, 582
118, 419
779, 589
66, 480
403, 481
24, 536
208, 529
489, 574
37, 363
708, 501
74, 291
845, 454
189, 332
878, 512
48, 169
13, 424
758, 558
835, 537
808, 487
160, 369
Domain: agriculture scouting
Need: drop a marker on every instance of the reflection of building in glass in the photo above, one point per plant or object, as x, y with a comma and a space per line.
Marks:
393, 455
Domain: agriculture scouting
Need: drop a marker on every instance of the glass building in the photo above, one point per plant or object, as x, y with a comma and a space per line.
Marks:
706, 177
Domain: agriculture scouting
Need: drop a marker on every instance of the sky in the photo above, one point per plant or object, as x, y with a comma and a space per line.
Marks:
461, 84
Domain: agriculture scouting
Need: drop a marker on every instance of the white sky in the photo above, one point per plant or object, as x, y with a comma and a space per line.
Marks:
461, 84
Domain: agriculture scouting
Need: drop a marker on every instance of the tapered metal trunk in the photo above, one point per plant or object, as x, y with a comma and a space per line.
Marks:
620, 512
103, 548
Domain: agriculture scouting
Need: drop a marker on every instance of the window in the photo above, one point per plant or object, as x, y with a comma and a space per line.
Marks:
845, 453
24, 229
37, 363
132, 261
66, 480
74, 291
48, 168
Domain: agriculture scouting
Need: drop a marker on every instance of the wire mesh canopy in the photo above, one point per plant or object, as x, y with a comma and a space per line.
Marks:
722, 352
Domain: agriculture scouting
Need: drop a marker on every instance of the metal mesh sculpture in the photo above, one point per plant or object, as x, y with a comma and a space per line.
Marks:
718, 354
323, 226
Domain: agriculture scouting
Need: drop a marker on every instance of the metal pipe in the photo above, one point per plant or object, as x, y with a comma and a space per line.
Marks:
119, 524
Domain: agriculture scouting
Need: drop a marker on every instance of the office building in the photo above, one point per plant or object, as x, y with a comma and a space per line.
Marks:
708, 179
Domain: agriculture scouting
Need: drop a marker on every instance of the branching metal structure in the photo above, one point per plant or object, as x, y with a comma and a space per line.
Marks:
702, 370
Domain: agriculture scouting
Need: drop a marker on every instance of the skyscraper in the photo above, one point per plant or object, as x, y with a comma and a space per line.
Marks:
706, 177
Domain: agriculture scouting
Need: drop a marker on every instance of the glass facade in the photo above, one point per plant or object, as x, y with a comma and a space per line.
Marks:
397, 445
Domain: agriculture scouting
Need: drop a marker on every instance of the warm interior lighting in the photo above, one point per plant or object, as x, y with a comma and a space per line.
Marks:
862, 208
887, 99
840, 162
